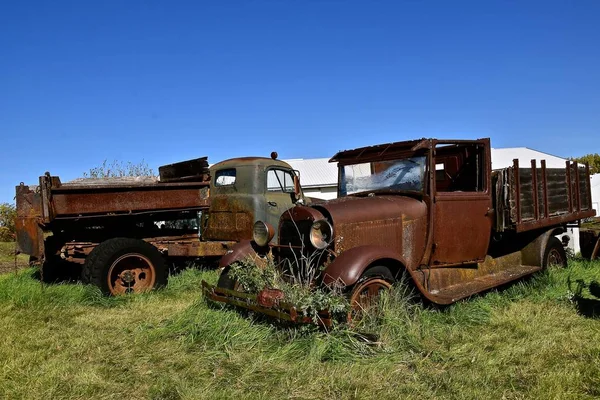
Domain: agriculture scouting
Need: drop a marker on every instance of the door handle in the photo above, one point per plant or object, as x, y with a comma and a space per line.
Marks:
272, 204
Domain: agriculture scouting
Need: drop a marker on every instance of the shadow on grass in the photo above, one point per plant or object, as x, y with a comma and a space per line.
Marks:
587, 307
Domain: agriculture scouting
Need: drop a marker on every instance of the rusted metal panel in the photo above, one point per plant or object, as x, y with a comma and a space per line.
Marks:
196, 248
274, 307
75, 202
462, 227
191, 170
30, 237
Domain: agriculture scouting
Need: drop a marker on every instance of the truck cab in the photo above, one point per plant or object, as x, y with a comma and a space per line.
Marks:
246, 190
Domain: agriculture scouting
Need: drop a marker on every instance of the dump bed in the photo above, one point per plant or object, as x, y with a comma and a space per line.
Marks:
53, 200
183, 187
537, 197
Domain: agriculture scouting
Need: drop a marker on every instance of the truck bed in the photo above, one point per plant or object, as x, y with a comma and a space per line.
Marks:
537, 197
53, 200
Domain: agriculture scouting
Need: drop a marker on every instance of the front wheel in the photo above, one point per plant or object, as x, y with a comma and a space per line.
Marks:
124, 265
364, 298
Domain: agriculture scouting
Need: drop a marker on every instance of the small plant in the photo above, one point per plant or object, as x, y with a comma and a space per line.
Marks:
308, 300
119, 169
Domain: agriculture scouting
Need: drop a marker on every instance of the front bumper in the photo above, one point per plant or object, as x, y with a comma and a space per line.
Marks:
268, 302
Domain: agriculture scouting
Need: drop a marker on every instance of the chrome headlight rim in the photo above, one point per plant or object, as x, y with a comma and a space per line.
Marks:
318, 238
262, 233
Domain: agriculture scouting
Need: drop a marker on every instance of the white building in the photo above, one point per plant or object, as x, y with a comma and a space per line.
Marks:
319, 177
596, 193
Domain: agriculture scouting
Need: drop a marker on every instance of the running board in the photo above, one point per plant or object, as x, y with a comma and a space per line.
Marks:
460, 291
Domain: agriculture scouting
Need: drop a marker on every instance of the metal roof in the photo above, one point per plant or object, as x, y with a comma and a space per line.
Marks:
502, 158
315, 171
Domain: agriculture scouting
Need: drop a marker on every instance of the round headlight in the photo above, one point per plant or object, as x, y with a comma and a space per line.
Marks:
321, 234
262, 233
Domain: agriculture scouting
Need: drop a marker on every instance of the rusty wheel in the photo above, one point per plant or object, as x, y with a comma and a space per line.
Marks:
555, 254
124, 265
131, 273
364, 298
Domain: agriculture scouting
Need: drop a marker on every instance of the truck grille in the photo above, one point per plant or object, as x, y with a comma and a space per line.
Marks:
295, 234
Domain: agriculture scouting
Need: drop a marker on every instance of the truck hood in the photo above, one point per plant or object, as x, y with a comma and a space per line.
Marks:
352, 209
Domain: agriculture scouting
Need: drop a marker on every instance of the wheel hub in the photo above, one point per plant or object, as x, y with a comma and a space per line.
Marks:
131, 273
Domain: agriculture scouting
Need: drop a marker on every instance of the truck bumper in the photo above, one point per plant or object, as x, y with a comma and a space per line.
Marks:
268, 302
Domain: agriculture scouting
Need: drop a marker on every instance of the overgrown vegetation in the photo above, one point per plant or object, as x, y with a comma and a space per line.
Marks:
119, 169
297, 289
528, 340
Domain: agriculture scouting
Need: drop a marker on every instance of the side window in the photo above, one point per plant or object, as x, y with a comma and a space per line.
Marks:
460, 168
279, 180
225, 177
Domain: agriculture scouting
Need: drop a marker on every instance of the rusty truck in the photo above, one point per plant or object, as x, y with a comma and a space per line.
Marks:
122, 232
430, 210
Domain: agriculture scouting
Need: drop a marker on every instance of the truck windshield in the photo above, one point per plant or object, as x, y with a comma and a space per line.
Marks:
404, 174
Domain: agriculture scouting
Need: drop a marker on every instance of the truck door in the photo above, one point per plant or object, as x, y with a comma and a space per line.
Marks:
279, 195
462, 206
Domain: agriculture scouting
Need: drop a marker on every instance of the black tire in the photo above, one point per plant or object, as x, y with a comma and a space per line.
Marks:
226, 281
378, 271
554, 254
124, 254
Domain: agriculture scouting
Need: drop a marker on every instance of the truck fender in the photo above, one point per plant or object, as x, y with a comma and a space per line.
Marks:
533, 253
349, 266
241, 251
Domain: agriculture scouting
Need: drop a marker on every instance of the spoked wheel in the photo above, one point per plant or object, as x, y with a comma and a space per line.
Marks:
131, 273
555, 254
555, 258
365, 298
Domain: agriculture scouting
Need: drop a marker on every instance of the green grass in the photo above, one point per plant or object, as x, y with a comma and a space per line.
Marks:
67, 341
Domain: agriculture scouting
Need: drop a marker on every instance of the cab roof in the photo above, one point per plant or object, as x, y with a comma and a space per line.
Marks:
381, 150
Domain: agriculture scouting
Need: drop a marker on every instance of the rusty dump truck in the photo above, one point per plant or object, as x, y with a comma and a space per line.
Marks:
122, 232
430, 210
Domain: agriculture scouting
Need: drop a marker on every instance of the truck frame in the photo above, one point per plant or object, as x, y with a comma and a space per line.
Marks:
430, 210
122, 233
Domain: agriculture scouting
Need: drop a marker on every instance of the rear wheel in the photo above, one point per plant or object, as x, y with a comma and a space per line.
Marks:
124, 265
554, 254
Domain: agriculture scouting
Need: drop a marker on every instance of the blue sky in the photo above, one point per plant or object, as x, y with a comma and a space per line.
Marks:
85, 81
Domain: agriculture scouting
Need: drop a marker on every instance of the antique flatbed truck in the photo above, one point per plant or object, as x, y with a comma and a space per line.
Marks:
432, 210
123, 231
